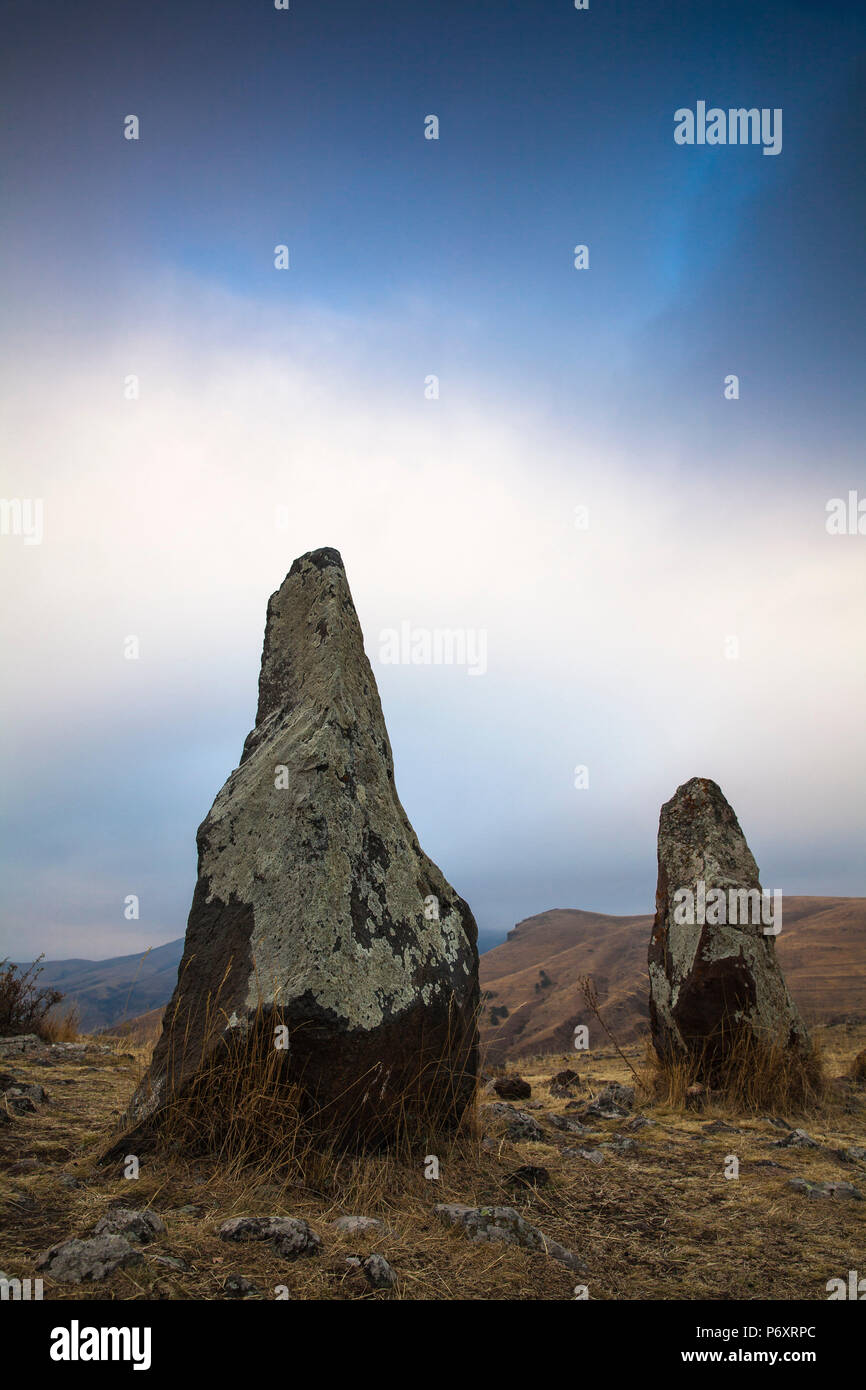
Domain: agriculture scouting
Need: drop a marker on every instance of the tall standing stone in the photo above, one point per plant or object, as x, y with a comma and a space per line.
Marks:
712, 980
315, 906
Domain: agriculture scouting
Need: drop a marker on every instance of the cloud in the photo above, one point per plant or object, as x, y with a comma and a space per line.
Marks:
261, 432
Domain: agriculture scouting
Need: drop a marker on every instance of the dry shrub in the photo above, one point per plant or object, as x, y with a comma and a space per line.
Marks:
23, 1004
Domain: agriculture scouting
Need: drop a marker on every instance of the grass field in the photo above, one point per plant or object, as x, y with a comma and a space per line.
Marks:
658, 1222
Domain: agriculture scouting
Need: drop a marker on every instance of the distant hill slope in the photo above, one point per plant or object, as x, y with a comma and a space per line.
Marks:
532, 1002
107, 991
822, 949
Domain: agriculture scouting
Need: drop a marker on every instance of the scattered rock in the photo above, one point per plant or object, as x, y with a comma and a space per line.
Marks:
523, 1129
720, 1127
528, 1175
565, 1123
238, 1286
24, 1042
600, 1109
592, 1155
289, 1236
842, 1190
379, 1273
37, 1093
190, 1209
620, 1145
172, 1261
614, 1093
703, 974
356, 1225
137, 1226
19, 1104
565, 1079
797, 1139
512, 1088
505, 1224
313, 888
775, 1122
74, 1261
639, 1122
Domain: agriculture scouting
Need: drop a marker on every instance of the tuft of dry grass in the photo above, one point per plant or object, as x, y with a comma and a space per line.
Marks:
235, 1101
751, 1075
61, 1027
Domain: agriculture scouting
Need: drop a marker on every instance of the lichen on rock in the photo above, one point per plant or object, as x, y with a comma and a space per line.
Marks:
312, 905
713, 982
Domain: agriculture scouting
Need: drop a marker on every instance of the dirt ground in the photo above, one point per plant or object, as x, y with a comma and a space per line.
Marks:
659, 1220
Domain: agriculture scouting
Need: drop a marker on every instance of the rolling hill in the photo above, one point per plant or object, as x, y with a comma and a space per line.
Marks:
107, 991
531, 997
532, 1000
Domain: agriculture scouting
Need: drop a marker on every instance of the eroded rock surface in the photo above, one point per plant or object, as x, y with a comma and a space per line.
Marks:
140, 1227
508, 1226
289, 1235
74, 1261
315, 905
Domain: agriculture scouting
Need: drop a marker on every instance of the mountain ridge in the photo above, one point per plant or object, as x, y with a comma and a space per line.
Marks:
531, 1000
107, 991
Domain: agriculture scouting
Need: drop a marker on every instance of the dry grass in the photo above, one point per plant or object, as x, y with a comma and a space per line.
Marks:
230, 1096
61, 1026
659, 1222
750, 1075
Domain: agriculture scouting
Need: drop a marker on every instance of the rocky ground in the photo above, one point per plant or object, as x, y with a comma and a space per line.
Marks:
579, 1184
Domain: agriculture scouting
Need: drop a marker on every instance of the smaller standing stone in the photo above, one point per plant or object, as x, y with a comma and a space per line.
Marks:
714, 976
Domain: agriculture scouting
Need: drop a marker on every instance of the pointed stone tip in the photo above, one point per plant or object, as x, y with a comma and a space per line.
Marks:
699, 784
324, 558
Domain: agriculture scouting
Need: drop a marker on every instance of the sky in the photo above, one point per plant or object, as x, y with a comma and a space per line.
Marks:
640, 549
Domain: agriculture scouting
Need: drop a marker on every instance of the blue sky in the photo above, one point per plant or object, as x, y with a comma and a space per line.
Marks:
303, 390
